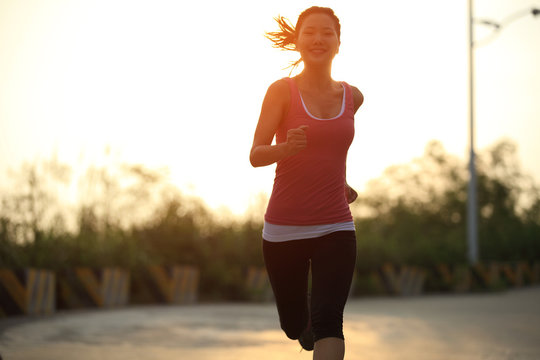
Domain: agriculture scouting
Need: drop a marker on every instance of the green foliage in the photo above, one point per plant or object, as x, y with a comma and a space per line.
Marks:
415, 213
131, 216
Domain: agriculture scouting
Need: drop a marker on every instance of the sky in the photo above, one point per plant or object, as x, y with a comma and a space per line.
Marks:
178, 84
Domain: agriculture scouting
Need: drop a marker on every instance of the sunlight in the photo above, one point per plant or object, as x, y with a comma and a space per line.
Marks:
165, 84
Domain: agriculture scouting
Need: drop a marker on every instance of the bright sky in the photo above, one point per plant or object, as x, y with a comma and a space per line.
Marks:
180, 84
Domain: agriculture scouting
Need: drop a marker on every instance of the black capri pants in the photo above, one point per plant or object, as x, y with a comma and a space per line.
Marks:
332, 258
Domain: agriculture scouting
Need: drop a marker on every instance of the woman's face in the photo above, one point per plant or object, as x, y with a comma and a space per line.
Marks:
317, 39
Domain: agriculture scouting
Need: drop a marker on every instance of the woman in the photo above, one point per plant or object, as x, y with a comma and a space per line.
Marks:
308, 223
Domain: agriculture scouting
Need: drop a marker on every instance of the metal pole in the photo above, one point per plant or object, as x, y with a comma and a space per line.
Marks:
472, 217
472, 202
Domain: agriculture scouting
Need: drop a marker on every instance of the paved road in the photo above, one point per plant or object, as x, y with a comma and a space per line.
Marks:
502, 326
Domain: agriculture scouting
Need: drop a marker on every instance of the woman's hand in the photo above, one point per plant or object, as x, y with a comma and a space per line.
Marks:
350, 194
296, 140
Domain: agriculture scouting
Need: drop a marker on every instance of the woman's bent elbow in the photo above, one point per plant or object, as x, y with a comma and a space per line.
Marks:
253, 160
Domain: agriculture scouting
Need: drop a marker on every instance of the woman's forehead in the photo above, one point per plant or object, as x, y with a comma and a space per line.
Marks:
318, 20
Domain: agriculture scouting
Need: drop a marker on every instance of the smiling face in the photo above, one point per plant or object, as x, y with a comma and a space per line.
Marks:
317, 39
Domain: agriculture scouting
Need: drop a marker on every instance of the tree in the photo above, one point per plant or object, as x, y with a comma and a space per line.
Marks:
415, 212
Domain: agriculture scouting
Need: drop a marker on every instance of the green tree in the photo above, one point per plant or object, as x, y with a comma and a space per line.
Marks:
415, 212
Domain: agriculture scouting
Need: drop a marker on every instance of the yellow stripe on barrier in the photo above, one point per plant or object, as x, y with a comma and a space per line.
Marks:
457, 278
513, 273
163, 281
174, 284
404, 280
14, 288
67, 297
105, 287
30, 293
444, 272
509, 274
488, 274
91, 284
528, 272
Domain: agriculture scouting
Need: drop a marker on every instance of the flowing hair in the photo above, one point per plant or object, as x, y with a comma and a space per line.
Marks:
285, 38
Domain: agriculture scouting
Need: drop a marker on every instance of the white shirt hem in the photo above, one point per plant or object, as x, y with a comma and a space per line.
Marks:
281, 233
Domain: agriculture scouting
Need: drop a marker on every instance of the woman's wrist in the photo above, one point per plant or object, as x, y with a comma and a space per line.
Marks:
284, 150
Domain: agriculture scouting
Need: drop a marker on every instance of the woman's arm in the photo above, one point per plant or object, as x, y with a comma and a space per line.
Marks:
274, 108
358, 97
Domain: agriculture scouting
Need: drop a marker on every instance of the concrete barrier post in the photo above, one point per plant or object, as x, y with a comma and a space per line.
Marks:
403, 280
174, 284
86, 287
258, 284
27, 292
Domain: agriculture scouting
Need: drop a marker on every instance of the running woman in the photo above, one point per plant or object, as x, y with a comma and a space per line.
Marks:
308, 223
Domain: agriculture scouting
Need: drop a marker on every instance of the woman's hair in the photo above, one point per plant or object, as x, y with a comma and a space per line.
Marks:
286, 36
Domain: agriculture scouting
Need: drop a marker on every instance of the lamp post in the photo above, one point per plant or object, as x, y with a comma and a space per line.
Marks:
472, 212
472, 203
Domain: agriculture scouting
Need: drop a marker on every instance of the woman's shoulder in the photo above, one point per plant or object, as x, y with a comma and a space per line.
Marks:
279, 89
280, 84
358, 97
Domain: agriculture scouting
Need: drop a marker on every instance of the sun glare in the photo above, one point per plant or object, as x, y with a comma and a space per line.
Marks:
175, 85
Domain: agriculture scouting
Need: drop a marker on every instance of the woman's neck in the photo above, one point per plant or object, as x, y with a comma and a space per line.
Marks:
316, 78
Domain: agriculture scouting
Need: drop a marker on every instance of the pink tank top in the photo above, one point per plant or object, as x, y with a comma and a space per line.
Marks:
309, 187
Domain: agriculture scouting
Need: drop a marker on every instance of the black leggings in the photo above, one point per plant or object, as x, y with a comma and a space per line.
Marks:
333, 259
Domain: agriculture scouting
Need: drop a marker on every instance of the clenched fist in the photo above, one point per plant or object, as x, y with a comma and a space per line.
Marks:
296, 140
350, 194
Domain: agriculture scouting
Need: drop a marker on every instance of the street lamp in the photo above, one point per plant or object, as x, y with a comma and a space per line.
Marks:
472, 204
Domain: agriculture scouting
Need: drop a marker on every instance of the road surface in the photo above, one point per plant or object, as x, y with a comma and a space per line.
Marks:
500, 326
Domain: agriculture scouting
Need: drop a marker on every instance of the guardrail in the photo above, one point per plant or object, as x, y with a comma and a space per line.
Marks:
404, 280
40, 291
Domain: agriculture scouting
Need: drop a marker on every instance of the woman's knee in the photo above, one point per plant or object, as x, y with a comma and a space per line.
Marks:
292, 330
328, 330
293, 318
327, 321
